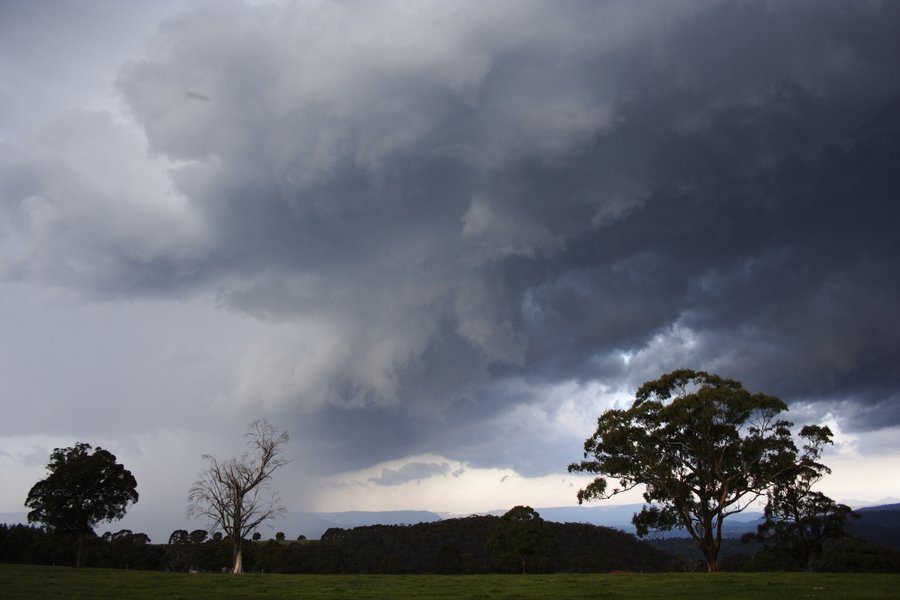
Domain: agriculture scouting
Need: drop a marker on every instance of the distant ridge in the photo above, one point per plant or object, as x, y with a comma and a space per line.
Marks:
877, 508
356, 518
877, 524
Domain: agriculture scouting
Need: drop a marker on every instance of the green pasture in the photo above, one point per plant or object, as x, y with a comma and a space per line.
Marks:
33, 582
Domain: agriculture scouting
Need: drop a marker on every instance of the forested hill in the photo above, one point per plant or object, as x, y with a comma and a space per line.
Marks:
450, 546
461, 546
877, 524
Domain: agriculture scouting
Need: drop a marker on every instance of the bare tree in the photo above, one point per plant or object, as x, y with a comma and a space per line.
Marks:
231, 494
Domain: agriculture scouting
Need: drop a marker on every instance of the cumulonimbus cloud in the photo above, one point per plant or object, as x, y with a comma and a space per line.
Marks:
434, 196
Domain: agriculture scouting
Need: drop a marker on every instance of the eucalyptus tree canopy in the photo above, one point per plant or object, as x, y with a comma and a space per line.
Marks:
231, 494
82, 489
703, 448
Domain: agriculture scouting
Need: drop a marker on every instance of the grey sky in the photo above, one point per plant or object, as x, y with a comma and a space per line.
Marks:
442, 233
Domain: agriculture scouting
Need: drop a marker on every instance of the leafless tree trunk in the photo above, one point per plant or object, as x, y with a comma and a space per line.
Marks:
231, 494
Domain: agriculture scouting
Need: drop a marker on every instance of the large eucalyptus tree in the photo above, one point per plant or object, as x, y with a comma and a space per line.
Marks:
702, 447
82, 489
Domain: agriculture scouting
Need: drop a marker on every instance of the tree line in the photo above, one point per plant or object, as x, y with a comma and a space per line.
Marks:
701, 447
476, 544
470, 545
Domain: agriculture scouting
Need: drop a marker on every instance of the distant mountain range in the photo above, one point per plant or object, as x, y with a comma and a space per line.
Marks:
881, 508
879, 524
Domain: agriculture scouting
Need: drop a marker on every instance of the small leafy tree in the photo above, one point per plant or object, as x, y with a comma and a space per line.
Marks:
180, 552
798, 520
83, 488
230, 493
179, 536
198, 536
703, 447
522, 533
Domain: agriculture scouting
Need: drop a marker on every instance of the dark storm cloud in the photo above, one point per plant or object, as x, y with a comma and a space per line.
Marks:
435, 198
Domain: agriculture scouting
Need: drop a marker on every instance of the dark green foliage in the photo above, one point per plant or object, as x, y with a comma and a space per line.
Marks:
735, 555
363, 548
120, 550
736, 563
23, 544
195, 551
82, 489
180, 551
703, 447
449, 560
798, 520
125, 550
299, 557
198, 536
452, 546
846, 553
521, 540
850, 555
179, 536
585, 548
457, 546
216, 555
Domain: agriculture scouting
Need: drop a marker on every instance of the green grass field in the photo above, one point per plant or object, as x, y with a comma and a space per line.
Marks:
32, 582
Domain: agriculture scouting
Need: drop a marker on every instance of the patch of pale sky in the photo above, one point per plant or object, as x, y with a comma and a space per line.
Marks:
23, 459
863, 479
566, 409
461, 489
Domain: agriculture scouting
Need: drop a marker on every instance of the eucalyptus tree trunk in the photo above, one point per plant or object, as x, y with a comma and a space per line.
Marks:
237, 558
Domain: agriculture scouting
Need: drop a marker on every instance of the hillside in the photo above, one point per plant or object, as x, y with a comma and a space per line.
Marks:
877, 524
459, 546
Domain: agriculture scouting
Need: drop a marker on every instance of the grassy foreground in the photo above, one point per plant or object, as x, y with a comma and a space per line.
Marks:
33, 582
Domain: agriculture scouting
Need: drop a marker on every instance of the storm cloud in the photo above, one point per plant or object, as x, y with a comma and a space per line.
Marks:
448, 210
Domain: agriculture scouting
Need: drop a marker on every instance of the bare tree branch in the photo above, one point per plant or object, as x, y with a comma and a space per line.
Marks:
230, 494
